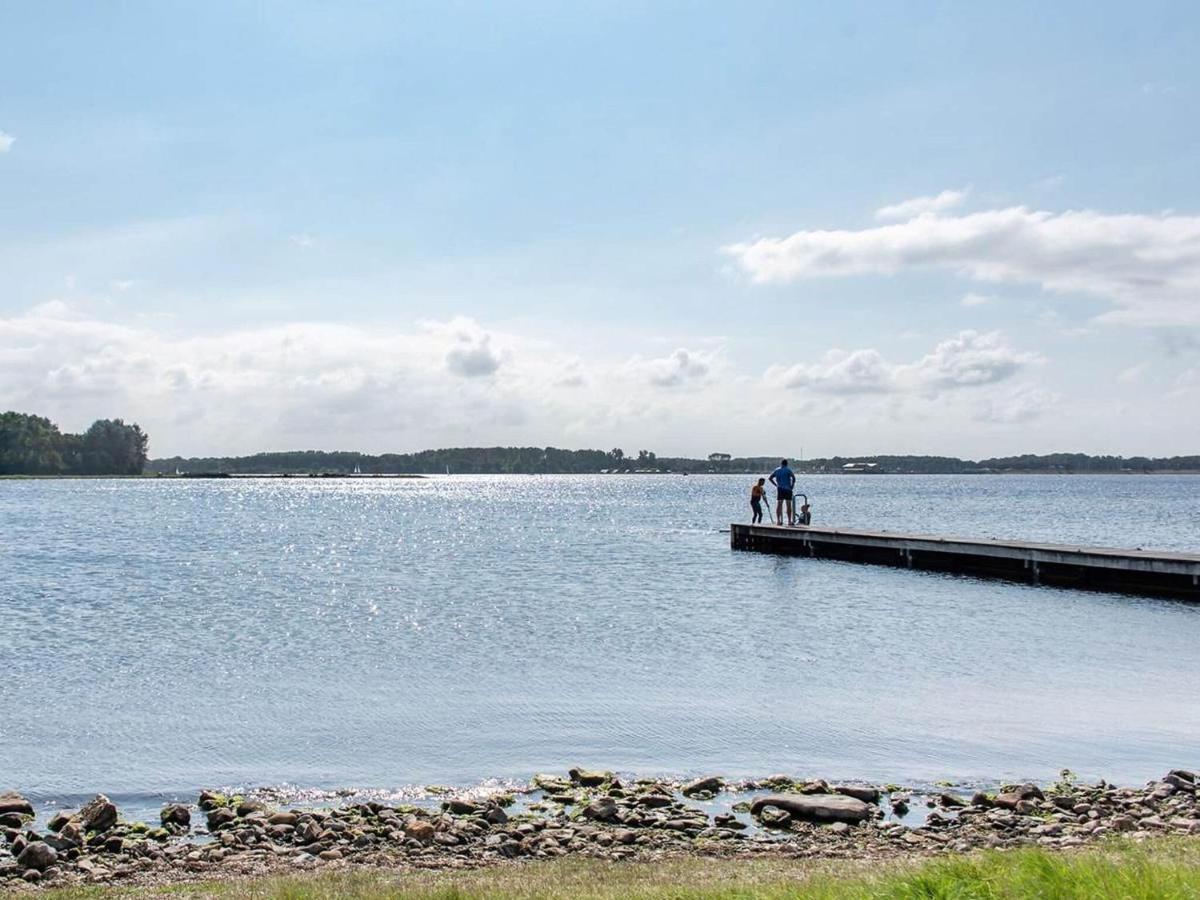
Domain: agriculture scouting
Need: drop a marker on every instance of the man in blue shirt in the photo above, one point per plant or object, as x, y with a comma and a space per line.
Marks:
784, 480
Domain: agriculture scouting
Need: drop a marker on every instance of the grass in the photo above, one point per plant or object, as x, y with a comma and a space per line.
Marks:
1167, 869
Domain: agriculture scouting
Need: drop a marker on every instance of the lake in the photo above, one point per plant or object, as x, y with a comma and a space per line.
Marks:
164, 635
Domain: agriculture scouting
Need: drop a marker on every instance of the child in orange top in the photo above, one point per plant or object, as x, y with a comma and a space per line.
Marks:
757, 493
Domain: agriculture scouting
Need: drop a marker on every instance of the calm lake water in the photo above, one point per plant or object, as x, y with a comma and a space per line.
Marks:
161, 636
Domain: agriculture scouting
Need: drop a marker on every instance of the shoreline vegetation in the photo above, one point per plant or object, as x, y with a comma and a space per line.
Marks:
1156, 868
32, 445
555, 461
666, 834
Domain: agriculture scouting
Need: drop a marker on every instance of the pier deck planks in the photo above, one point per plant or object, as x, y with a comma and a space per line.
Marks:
1152, 572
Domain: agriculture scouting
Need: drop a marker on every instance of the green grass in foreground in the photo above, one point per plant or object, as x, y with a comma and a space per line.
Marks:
1168, 868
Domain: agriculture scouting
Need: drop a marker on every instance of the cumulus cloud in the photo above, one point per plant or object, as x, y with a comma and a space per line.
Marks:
682, 367
839, 372
474, 358
1147, 266
969, 359
918, 206
6, 142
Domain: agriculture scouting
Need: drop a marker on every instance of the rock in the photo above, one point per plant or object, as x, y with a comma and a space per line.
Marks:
11, 802
220, 817
589, 778
461, 807
863, 792
602, 810
816, 807
283, 818
653, 800
330, 855
59, 820
981, 800
33, 876
839, 828
1122, 823
422, 831
98, 814
702, 786
772, 817
496, 816
210, 800
38, 855
625, 836
249, 807
11, 820
551, 783
176, 814
951, 801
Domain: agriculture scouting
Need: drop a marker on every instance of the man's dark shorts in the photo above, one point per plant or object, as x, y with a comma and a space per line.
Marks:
784, 495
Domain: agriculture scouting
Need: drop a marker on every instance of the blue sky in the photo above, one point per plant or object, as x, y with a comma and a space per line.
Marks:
684, 227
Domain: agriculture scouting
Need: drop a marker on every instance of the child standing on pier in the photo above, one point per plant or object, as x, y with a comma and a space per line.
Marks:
757, 493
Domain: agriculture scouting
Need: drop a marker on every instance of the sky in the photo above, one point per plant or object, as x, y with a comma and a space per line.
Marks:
819, 228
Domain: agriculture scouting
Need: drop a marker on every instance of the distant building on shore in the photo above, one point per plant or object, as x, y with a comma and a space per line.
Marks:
861, 468
719, 457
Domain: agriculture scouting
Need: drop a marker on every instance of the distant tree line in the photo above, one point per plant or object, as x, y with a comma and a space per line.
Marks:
33, 445
552, 460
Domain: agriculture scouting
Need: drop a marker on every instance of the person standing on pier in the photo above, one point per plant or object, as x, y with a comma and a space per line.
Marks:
758, 494
784, 480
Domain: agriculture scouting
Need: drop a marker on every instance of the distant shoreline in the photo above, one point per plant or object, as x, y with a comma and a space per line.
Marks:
393, 476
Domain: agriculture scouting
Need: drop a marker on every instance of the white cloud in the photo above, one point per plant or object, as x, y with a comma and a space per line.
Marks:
1147, 266
973, 299
470, 354
680, 368
967, 360
1132, 374
1019, 406
839, 372
919, 206
6, 142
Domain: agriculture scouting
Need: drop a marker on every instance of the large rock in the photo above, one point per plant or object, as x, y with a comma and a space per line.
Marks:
98, 814
176, 814
220, 817
590, 778
702, 786
11, 802
816, 807
38, 855
864, 792
603, 809
1021, 793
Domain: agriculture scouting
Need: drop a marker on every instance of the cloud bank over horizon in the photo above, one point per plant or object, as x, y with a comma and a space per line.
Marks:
324, 385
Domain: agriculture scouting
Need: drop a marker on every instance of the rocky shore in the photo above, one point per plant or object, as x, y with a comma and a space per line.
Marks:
587, 813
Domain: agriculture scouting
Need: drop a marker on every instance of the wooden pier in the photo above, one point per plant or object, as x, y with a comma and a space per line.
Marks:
1151, 572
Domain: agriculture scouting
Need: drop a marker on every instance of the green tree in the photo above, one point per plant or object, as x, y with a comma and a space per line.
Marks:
29, 445
110, 447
